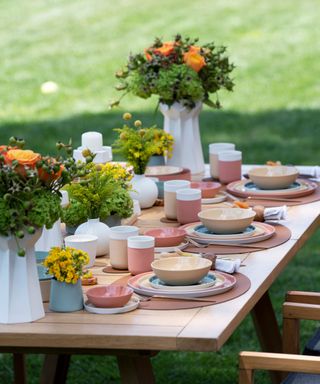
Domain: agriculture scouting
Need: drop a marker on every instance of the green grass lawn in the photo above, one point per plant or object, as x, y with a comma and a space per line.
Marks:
273, 113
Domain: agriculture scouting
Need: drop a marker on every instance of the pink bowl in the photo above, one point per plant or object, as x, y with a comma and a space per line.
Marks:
167, 237
208, 188
109, 296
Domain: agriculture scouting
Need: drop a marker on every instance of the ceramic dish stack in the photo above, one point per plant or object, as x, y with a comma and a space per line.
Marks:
272, 182
110, 299
181, 277
229, 226
254, 233
214, 283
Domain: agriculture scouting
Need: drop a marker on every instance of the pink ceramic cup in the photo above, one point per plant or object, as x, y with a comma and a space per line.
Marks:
229, 166
140, 254
188, 205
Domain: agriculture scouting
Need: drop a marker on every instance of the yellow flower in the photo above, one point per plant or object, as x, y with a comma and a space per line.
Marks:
127, 116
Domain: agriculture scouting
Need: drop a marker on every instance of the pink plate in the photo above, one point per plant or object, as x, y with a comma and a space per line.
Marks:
142, 286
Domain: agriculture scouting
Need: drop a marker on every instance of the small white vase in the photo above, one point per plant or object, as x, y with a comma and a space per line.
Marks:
20, 294
144, 190
183, 125
99, 229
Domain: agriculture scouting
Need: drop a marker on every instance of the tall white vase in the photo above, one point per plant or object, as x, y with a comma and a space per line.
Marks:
144, 190
20, 295
99, 229
183, 125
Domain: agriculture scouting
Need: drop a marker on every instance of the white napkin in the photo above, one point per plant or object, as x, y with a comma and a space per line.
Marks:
313, 171
275, 213
228, 266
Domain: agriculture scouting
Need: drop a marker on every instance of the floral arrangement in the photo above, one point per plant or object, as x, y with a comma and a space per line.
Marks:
101, 192
177, 71
29, 188
66, 264
137, 144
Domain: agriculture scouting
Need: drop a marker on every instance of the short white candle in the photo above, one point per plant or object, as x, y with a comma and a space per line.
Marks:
92, 141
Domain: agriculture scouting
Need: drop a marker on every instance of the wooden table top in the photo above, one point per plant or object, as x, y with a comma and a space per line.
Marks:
199, 329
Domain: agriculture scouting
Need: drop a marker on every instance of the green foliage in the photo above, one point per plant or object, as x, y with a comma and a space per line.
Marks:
102, 192
74, 214
5, 217
46, 209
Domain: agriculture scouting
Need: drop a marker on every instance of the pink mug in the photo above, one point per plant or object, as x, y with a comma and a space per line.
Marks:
229, 166
188, 205
140, 254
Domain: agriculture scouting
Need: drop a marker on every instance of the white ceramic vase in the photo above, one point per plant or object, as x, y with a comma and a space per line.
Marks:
20, 294
144, 190
99, 229
183, 125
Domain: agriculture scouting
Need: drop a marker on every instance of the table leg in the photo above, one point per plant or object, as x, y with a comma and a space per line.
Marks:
19, 368
55, 369
135, 369
267, 330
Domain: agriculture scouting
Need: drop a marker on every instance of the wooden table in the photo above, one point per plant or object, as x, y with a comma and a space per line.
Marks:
133, 335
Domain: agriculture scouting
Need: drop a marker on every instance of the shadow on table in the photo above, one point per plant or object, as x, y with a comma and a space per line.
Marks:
288, 135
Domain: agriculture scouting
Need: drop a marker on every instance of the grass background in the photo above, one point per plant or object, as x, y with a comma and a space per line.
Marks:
272, 114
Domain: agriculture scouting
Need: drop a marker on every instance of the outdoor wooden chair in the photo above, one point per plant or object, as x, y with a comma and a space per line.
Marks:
304, 369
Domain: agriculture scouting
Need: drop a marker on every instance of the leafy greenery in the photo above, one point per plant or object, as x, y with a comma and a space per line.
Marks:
102, 192
177, 71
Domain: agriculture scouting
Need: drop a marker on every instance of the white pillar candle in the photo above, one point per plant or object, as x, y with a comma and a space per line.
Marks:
92, 141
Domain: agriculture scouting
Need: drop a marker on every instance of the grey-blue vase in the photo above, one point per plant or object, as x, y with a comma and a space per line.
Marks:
65, 297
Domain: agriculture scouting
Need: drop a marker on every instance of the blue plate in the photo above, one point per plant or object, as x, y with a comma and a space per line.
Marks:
252, 187
210, 278
205, 231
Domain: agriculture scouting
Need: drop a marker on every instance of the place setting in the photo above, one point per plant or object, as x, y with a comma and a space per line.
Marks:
274, 185
233, 230
182, 282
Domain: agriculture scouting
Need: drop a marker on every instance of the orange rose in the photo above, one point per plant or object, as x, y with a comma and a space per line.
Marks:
194, 60
165, 50
50, 176
23, 157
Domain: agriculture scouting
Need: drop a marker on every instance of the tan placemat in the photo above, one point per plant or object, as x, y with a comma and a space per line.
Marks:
109, 269
281, 235
242, 285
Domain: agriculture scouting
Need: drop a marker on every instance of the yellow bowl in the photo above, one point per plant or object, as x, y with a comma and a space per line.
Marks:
181, 270
273, 177
226, 220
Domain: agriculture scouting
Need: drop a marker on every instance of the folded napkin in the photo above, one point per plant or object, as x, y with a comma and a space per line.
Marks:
275, 213
223, 265
228, 266
313, 171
